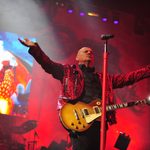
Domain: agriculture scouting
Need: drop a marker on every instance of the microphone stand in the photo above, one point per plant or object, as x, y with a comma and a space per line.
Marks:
35, 141
104, 98
33, 144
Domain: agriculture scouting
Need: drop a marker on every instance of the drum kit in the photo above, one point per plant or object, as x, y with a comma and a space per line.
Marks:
11, 126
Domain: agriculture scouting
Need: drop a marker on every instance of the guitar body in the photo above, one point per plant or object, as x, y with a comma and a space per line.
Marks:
74, 116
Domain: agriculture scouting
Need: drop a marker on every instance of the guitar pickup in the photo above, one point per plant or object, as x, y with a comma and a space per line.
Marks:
96, 109
76, 114
85, 112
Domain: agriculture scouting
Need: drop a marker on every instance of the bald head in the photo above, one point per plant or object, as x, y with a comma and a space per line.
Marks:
85, 56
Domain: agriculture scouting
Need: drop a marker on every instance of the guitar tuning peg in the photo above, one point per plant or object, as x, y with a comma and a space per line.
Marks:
148, 100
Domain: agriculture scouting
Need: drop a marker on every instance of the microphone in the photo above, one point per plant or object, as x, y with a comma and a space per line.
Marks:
106, 36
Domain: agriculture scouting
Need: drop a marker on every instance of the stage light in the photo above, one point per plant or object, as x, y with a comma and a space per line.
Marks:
116, 20
70, 9
3, 106
82, 13
82, 10
104, 19
104, 16
92, 14
60, 3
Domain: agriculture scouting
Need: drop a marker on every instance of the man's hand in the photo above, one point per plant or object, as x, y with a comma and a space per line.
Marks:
27, 42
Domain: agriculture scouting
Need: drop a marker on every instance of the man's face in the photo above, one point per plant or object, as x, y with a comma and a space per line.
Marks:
85, 55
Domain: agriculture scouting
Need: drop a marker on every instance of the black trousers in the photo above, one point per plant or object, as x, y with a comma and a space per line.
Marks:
88, 140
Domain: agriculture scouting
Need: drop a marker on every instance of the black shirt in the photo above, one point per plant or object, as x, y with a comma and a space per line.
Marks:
92, 85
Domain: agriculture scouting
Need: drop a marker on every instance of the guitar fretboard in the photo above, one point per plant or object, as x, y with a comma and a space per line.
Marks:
124, 105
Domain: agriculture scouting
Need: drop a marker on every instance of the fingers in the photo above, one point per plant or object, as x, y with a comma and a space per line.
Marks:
21, 41
25, 41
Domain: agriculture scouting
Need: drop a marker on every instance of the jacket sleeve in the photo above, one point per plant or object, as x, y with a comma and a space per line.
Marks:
130, 78
51, 67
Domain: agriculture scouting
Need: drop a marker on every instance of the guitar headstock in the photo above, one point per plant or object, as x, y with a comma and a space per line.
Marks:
148, 100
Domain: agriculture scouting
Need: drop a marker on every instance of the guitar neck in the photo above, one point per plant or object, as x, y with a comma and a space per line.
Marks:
124, 105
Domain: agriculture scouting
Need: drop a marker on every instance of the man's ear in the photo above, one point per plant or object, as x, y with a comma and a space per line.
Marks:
77, 58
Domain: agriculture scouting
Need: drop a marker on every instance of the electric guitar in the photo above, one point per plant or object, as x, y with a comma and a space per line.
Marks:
79, 116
